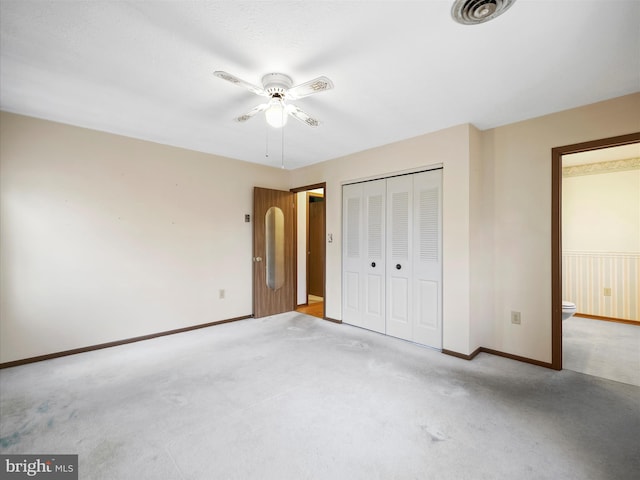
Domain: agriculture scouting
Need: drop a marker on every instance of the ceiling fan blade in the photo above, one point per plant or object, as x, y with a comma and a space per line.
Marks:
241, 83
260, 108
316, 85
302, 116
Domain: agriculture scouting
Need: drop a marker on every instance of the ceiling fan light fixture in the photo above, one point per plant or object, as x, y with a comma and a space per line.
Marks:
276, 114
473, 12
277, 86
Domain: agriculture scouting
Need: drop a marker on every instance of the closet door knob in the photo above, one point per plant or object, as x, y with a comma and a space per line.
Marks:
398, 266
373, 264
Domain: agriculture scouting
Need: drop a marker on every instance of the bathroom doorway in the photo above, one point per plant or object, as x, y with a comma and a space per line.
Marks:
583, 258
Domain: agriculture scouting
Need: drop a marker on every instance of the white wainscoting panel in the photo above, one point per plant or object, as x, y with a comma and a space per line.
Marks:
586, 276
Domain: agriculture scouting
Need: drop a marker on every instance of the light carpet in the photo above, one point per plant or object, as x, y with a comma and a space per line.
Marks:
295, 397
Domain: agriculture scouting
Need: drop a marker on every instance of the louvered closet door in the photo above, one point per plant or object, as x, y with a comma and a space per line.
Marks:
373, 267
392, 256
363, 255
399, 257
352, 255
427, 263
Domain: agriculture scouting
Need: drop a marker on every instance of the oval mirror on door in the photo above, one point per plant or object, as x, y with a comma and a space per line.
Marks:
274, 235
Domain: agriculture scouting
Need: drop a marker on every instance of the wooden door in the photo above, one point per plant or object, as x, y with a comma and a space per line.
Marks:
315, 245
273, 252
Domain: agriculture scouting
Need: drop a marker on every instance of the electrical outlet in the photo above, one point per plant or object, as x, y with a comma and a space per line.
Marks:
221, 295
515, 318
607, 292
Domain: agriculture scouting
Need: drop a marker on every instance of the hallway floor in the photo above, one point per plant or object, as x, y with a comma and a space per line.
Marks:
603, 349
314, 307
295, 397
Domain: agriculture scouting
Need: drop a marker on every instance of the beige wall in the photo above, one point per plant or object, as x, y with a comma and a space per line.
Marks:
481, 238
104, 238
601, 213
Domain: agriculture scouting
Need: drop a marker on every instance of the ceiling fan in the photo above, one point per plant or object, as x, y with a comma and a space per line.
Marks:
278, 88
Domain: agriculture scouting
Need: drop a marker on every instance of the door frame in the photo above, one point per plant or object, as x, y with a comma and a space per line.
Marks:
297, 190
311, 194
556, 230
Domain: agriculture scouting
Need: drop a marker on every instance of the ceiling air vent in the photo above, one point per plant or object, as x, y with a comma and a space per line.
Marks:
472, 12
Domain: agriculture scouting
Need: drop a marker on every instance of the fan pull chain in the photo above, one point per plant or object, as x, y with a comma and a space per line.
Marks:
282, 151
266, 151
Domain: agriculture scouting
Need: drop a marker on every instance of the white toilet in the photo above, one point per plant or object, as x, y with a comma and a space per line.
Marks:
568, 309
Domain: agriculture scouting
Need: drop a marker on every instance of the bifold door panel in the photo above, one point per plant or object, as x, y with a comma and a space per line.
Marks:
351, 254
399, 253
427, 259
363, 255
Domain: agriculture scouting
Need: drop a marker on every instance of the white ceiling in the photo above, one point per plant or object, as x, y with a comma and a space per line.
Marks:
401, 69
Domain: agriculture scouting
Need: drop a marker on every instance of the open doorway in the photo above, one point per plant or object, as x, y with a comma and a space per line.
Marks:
601, 262
310, 242
556, 231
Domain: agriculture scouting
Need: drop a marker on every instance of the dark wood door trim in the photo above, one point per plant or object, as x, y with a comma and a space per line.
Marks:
305, 188
311, 229
556, 231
